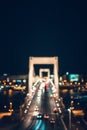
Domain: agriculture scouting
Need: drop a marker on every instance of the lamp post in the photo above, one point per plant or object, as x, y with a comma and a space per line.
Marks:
69, 110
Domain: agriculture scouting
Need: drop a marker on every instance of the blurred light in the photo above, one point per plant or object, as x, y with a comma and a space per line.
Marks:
29, 103
70, 83
4, 106
10, 92
2, 87
35, 113
10, 105
10, 83
18, 81
67, 73
4, 74
6, 86
4, 83
57, 104
65, 81
51, 76
78, 83
60, 78
8, 79
78, 112
25, 111
75, 83
82, 80
78, 103
60, 83
74, 77
24, 81
69, 110
13, 81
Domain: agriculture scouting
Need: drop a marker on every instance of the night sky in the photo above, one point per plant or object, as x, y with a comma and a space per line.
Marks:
43, 28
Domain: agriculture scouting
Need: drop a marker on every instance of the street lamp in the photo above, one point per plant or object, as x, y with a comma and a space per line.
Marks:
69, 110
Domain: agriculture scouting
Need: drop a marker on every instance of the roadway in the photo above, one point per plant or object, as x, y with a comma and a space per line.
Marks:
41, 104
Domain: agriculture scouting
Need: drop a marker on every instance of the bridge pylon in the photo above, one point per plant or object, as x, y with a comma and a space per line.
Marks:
43, 60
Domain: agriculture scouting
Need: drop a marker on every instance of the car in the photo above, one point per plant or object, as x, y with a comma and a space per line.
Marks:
36, 108
46, 116
51, 96
55, 110
39, 116
52, 121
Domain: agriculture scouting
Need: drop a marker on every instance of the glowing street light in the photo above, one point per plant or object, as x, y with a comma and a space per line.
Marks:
69, 110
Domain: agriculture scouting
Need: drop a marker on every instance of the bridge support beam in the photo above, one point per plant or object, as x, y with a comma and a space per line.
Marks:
56, 75
44, 70
43, 60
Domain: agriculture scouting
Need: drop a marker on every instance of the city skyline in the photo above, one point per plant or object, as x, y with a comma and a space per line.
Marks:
40, 28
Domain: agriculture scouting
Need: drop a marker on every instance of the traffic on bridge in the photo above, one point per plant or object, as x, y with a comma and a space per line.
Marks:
43, 111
